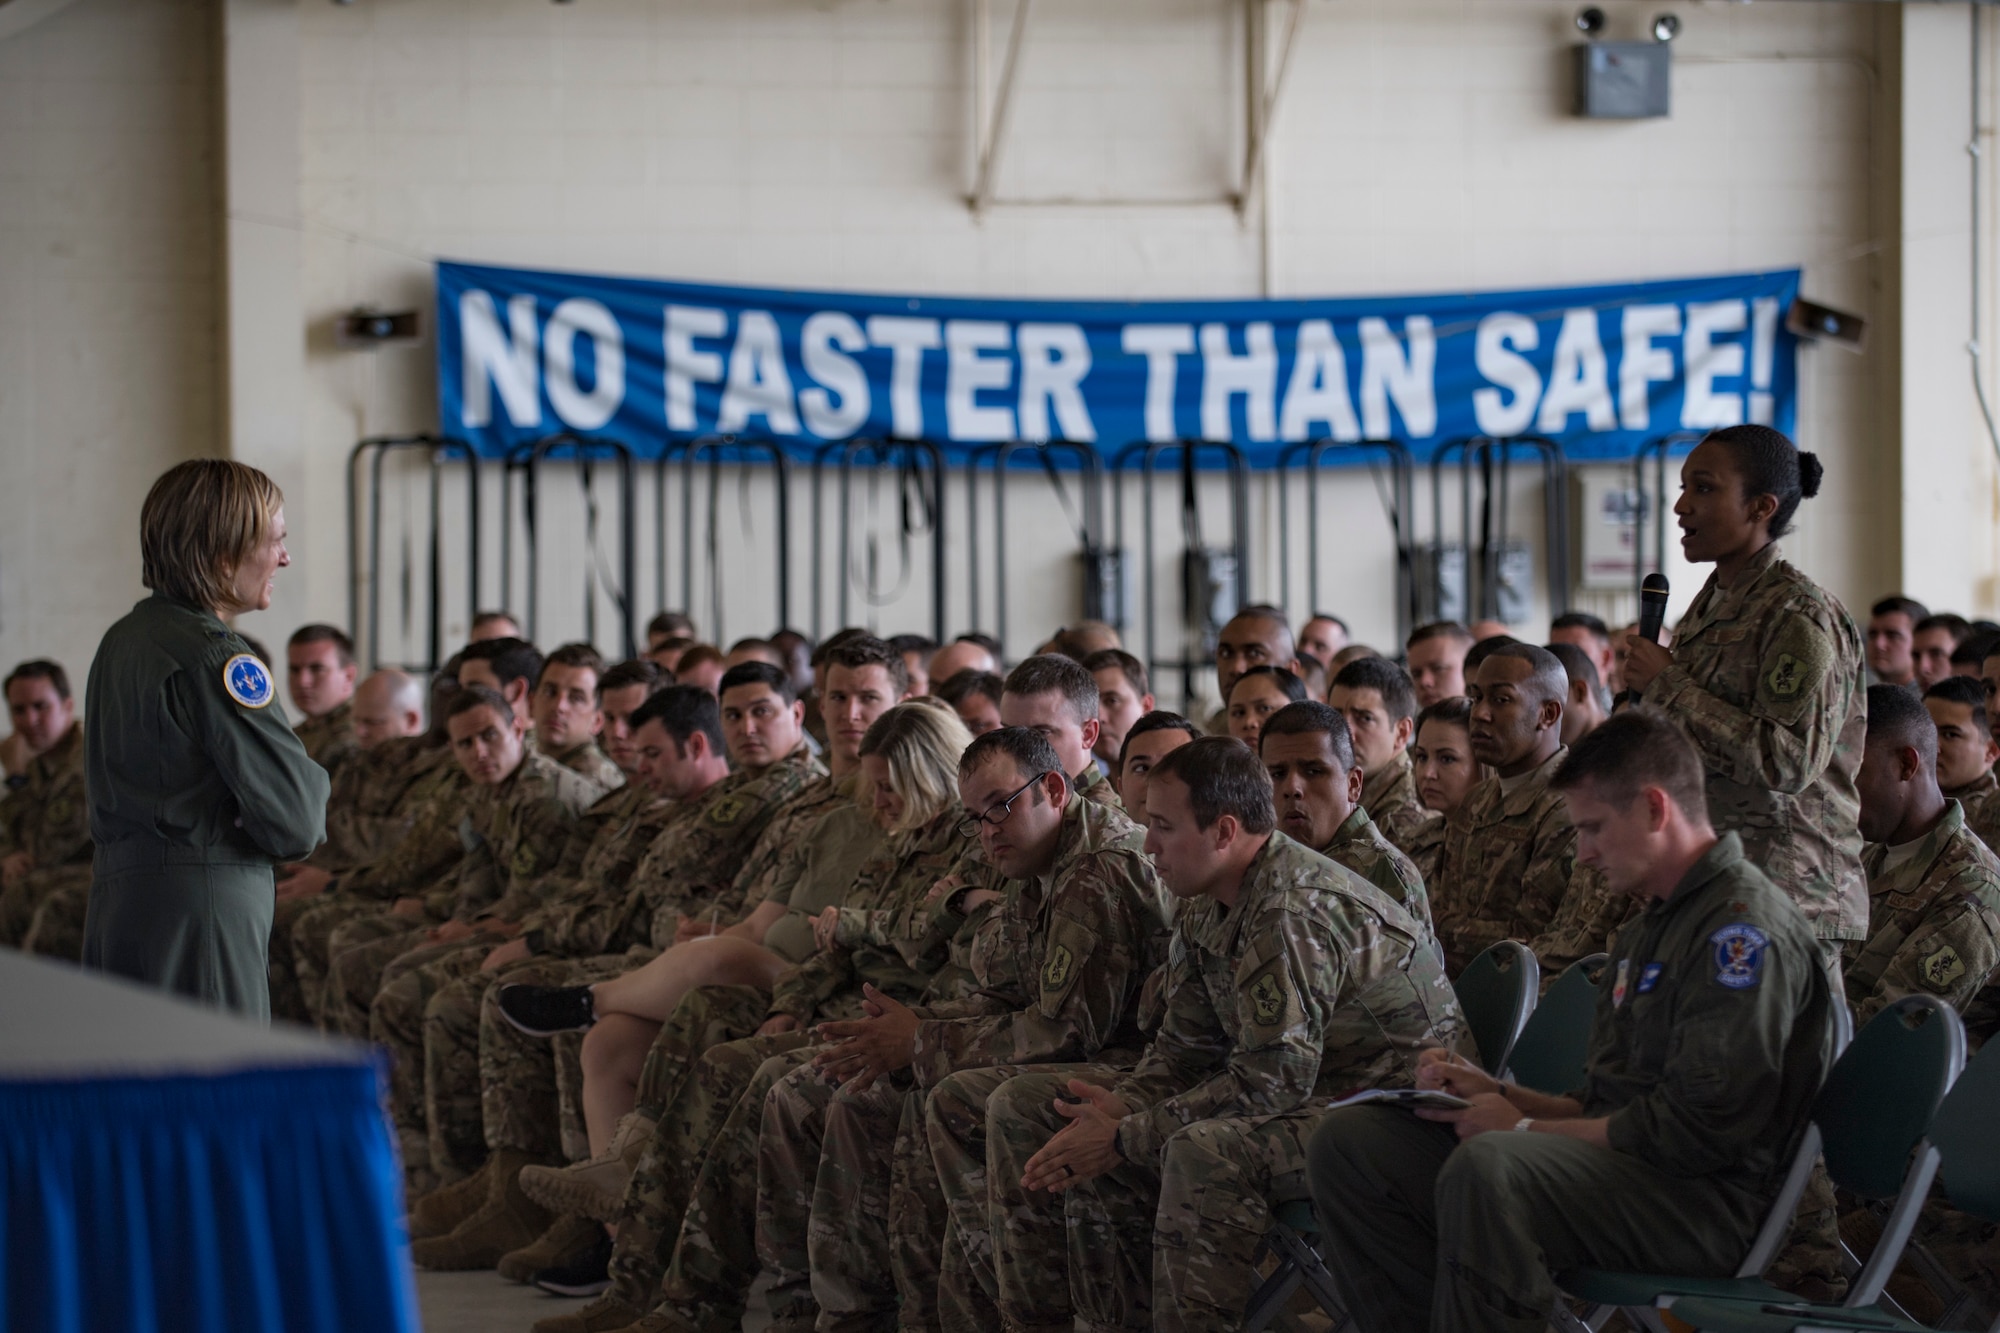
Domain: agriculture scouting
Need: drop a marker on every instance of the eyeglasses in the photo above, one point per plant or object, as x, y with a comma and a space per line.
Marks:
997, 815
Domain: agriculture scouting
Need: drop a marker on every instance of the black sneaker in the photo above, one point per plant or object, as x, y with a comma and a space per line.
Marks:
543, 1011
588, 1274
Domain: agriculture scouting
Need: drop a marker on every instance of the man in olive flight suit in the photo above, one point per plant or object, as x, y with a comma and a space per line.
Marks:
1707, 1050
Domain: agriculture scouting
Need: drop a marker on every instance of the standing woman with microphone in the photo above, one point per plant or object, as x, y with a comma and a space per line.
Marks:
197, 787
1765, 679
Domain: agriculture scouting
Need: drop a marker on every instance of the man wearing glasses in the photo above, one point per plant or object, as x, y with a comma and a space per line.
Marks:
1293, 983
1082, 926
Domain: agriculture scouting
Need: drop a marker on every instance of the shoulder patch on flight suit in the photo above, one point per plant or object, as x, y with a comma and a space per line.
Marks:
247, 681
1739, 955
1798, 660
1941, 967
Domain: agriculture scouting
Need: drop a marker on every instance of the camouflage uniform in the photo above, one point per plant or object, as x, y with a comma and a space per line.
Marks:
1360, 845
523, 826
436, 804
369, 810
593, 763
48, 818
1427, 850
689, 1201
1314, 985
1934, 927
1389, 795
1507, 862
528, 1102
1766, 680
1094, 787
329, 738
1982, 816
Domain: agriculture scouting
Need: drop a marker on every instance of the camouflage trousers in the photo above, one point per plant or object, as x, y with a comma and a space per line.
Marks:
396, 1021
978, 1195
361, 951
849, 1216
697, 1069
306, 955
1968, 1249
489, 1085
21, 900
706, 1286
288, 996
56, 928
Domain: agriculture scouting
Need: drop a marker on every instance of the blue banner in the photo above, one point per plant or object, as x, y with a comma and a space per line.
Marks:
523, 354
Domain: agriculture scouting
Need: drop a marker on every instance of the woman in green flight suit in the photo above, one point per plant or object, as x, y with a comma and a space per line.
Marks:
197, 786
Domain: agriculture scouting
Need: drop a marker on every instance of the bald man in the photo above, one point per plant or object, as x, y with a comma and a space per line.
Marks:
1256, 636
1509, 851
961, 655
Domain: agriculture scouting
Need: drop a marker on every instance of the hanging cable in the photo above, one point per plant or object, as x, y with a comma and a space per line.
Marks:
1972, 151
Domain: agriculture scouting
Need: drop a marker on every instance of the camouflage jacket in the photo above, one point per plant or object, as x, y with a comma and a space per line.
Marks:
47, 816
1359, 845
1976, 790
581, 907
1590, 914
886, 907
1766, 681
329, 738
1095, 787
1715, 1033
593, 763
1061, 977
820, 873
1506, 864
779, 852
1427, 849
1389, 795
1315, 984
430, 851
692, 866
368, 810
1982, 816
514, 832
1933, 928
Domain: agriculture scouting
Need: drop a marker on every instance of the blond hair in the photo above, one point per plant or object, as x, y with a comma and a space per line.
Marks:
201, 520
920, 742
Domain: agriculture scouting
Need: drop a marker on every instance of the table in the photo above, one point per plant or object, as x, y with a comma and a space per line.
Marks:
166, 1166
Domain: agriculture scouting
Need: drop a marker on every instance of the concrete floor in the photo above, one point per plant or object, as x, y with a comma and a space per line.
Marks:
483, 1303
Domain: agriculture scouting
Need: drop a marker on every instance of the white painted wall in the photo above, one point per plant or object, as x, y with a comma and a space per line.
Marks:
108, 304
1422, 145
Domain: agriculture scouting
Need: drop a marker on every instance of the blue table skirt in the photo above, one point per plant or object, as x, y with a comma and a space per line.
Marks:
269, 1199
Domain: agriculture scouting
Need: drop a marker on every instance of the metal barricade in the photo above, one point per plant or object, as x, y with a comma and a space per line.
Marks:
1199, 561
527, 461
1653, 503
920, 502
1399, 506
443, 449
1088, 522
1494, 461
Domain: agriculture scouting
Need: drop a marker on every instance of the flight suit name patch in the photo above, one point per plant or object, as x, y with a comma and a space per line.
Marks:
1739, 955
1942, 967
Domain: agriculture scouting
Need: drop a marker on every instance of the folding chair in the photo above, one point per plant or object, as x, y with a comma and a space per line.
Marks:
1870, 1119
1550, 1054
1497, 994
1969, 1167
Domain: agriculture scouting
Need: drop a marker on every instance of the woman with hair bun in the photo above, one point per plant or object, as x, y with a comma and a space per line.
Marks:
1765, 679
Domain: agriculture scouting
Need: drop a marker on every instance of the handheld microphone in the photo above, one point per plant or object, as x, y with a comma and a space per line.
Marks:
1652, 606
1652, 618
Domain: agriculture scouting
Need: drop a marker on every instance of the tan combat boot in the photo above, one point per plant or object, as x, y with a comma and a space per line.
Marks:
595, 1188
569, 1236
442, 1209
506, 1221
602, 1315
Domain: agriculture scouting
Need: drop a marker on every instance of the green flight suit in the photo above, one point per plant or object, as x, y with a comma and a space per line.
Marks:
1705, 1054
194, 795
